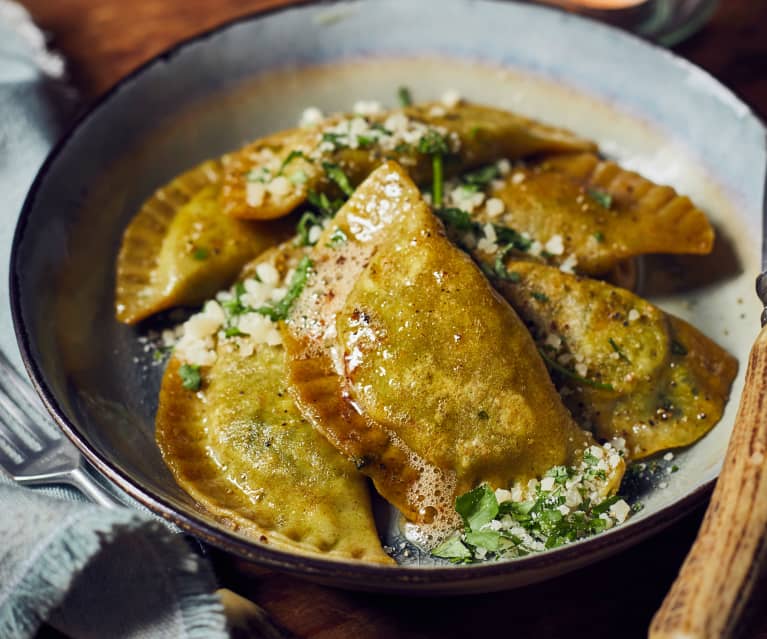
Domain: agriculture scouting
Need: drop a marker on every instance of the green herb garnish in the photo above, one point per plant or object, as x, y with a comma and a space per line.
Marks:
477, 507
453, 549
200, 254
234, 307
509, 236
336, 139
617, 349
233, 331
280, 310
305, 224
336, 173
405, 99
602, 198
481, 177
323, 204
337, 238
293, 155
190, 376
456, 219
541, 297
599, 236
556, 366
435, 144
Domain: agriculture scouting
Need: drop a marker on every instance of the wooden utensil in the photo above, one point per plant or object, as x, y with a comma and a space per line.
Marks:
718, 574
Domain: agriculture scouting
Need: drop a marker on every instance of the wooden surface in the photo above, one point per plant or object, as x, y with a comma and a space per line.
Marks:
105, 39
707, 596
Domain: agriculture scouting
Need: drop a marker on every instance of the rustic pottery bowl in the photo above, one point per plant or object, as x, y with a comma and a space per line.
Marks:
645, 107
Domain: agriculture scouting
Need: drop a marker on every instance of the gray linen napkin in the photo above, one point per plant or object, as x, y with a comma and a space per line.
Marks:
86, 570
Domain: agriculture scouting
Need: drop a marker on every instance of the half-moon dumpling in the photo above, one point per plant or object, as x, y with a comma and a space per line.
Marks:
180, 249
594, 214
403, 355
241, 449
624, 367
272, 176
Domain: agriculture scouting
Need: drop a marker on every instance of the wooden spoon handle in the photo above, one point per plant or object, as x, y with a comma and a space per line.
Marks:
718, 574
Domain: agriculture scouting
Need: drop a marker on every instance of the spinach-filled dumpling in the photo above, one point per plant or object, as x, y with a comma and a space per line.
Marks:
234, 440
591, 214
180, 249
403, 355
274, 175
623, 367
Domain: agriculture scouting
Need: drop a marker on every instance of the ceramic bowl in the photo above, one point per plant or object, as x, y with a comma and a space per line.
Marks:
646, 107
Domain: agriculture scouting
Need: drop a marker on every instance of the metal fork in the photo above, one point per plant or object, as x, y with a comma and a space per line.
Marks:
34, 454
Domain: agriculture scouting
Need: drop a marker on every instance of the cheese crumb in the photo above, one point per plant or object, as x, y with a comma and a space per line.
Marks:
633, 315
310, 117
279, 186
367, 107
555, 246
620, 510
494, 207
503, 166
254, 194
451, 98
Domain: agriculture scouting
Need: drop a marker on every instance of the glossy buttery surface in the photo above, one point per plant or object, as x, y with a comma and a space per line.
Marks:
665, 139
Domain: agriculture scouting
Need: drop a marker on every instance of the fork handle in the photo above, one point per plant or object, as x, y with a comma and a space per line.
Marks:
92, 490
716, 579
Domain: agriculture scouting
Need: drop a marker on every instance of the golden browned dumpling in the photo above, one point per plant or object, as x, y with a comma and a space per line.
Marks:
405, 358
272, 176
593, 214
624, 367
241, 449
180, 249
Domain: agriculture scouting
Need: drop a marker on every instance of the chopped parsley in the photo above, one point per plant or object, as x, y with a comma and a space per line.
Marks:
280, 310
200, 254
190, 376
404, 96
435, 144
337, 238
457, 219
307, 221
234, 307
617, 349
602, 198
335, 139
541, 297
546, 519
557, 367
261, 174
599, 236
337, 175
481, 177
507, 235
323, 204
293, 155
233, 331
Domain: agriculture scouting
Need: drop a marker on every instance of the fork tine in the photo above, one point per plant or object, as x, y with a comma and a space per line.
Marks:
12, 437
9, 454
25, 404
19, 427
9, 376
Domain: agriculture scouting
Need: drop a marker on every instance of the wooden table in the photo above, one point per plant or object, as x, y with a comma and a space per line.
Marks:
103, 40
